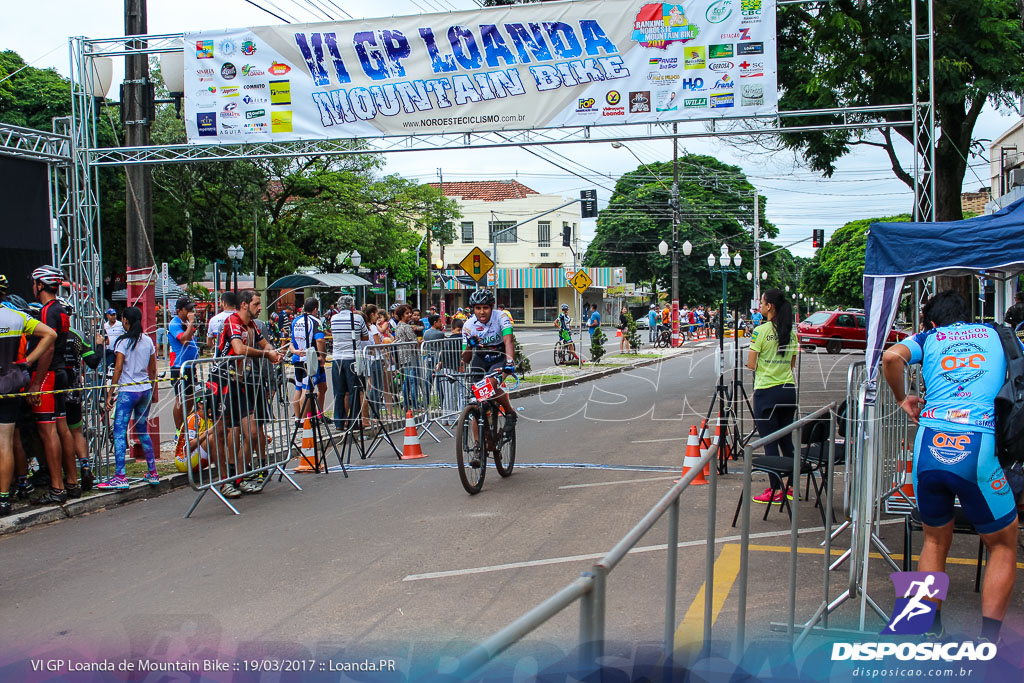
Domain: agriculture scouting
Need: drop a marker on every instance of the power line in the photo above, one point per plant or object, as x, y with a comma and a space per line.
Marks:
259, 7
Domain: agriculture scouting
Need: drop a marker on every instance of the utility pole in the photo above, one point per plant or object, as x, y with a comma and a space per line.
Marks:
675, 235
137, 109
757, 248
444, 320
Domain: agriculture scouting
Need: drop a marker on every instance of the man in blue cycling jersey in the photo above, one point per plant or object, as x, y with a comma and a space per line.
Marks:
963, 368
488, 344
564, 333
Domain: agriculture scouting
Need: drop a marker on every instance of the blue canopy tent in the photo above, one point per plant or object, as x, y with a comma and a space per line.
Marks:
898, 252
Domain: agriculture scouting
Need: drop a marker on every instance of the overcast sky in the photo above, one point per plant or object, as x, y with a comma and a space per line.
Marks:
798, 200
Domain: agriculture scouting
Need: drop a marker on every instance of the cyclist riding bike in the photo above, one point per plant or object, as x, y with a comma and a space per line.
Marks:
564, 333
487, 345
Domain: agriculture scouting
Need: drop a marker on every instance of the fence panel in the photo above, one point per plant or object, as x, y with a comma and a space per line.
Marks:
396, 382
238, 424
442, 359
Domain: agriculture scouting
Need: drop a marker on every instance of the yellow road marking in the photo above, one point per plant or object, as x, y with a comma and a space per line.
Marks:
727, 568
896, 556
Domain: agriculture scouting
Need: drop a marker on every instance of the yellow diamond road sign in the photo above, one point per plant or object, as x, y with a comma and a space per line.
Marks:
581, 281
476, 264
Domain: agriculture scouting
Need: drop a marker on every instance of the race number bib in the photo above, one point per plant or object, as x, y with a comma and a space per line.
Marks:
483, 389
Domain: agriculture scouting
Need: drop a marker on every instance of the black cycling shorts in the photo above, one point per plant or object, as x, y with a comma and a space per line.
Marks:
188, 374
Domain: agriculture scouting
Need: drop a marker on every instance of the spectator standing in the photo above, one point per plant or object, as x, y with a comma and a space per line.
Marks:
15, 326
112, 329
621, 327
229, 303
184, 348
1015, 313
593, 323
135, 379
954, 451
307, 335
417, 323
772, 356
408, 358
652, 324
435, 329
348, 329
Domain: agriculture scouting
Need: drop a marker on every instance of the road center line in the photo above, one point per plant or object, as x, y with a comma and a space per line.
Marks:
596, 556
672, 438
613, 483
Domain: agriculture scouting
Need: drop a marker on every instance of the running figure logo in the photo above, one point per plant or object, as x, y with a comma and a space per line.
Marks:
913, 613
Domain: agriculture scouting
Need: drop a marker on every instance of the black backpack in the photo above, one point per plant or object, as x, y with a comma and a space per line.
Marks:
1009, 402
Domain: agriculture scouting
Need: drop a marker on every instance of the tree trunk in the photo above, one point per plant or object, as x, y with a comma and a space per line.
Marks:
948, 187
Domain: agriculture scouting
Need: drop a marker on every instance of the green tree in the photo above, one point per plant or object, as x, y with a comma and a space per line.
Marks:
850, 53
716, 207
632, 336
597, 341
836, 273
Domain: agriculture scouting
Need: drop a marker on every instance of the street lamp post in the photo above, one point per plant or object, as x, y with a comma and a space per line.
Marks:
235, 254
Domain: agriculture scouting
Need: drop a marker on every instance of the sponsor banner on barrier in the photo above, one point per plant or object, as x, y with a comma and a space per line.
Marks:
516, 67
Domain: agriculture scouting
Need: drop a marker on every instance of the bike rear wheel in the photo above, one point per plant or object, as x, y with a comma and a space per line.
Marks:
504, 451
559, 352
470, 433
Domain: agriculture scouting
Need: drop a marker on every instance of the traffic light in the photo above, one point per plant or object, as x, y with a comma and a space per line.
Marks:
476, 264
818, 238
588, 204
566, 234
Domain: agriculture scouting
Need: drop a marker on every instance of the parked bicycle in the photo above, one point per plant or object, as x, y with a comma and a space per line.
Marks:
478, 434
664, 338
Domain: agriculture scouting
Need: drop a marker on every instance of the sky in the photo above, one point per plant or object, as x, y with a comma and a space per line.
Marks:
798, 200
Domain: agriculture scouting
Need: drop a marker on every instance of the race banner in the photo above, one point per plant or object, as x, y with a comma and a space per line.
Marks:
519, 67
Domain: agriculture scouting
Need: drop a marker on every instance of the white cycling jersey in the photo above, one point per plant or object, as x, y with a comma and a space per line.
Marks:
491, 334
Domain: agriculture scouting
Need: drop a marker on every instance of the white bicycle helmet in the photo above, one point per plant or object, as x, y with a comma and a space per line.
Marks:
48, 275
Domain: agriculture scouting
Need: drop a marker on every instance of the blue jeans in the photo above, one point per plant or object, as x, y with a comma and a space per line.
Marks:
132, 404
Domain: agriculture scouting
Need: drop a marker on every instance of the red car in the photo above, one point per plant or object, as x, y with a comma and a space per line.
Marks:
838, 330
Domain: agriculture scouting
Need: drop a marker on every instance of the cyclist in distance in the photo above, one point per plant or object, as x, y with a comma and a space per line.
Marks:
564, 332
488, 344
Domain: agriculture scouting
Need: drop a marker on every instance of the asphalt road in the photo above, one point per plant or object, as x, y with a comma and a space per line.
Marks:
398, 562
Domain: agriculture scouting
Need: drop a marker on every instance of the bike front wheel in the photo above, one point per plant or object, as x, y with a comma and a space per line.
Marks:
470, 454
504, 451
559, 352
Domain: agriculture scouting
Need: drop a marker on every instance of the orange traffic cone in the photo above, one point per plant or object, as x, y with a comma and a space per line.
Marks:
411, 448
723, 444
705, 446
908, 478
692, 457
307, 461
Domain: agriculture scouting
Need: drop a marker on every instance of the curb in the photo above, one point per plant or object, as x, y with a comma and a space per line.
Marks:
12, 524
573, 381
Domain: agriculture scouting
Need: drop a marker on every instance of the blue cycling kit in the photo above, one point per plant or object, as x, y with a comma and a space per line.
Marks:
963, 369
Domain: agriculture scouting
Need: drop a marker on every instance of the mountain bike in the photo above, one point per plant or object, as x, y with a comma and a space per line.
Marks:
479, 434
563, 356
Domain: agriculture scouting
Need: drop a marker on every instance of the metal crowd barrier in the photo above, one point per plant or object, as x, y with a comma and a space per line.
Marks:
442, 359
238, 424
590, 588
396, 382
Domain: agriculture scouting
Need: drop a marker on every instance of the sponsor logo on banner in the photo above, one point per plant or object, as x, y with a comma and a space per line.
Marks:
751, 11
694, 57
660, 79
722, 100
229, 91
585, 105
668, 63
249, 99
230, 111
279, 69
205, 74
281, 122
691, 102
257, 127
254, 86
613, 97
659, 25
255, 113
613, 111
250, 71
666, 101
742, 34
751, 95
204, 50
228, 71
719, 11
206, 92
280, 92
227, 47
720, 51
248, 48
228, 129
721, 66
751, 69
640, 102
206, 122
750, 48
723, 83
694, 84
